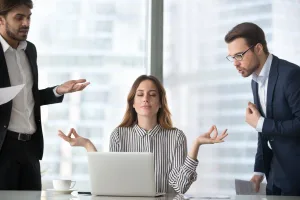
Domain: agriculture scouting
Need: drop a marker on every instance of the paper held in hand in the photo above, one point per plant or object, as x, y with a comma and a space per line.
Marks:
243, 187
8, 93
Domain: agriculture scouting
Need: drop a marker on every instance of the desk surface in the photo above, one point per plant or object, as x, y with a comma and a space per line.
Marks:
45, 195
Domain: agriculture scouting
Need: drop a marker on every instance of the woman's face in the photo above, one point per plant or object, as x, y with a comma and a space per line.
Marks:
146, 99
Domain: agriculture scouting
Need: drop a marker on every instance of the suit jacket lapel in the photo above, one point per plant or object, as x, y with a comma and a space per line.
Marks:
273, 75
32, 63
4, 76
255, 93
256, 97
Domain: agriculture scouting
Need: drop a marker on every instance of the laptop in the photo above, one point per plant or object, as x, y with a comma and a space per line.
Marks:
122, 174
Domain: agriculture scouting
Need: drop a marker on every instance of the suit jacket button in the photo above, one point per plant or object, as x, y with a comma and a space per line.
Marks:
5, 126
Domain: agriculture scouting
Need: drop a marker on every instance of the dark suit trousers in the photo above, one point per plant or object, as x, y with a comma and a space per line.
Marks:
276, 191
19, 166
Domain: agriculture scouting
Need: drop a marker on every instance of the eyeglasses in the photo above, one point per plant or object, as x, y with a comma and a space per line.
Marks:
239, 56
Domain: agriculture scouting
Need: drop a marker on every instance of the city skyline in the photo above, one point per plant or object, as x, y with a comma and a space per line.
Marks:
105, 41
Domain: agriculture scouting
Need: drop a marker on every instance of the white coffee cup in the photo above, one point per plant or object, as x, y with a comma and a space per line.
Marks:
63, 184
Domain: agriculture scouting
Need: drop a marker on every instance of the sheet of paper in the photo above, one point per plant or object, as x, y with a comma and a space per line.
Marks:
243, 187
8, 93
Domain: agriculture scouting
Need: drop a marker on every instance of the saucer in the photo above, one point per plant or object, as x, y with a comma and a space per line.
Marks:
69, 191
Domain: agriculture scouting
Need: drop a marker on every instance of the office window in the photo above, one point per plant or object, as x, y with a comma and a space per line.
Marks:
206, 89
98, 77
59, 112
68, 7
96, 132
96, 113
105, 8
104, 26
101, 97
68, 49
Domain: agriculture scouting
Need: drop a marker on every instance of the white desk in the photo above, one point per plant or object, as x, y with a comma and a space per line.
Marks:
44, 195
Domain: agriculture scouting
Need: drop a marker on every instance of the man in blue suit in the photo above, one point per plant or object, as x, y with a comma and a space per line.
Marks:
275, 113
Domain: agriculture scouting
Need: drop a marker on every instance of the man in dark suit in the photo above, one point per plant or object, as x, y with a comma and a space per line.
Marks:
275, 113
21, 138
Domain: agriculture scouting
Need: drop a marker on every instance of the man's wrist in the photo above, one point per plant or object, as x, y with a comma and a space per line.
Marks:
260, 123
259, 173
56, 93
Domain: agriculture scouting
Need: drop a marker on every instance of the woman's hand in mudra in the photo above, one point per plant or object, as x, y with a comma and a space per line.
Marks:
77, 140
211, 137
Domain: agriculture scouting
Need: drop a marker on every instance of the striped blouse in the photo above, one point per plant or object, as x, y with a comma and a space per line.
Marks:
174, 170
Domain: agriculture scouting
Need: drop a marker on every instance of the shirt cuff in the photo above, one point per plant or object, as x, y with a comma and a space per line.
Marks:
258, 173
55, 93
190, 164
260, 124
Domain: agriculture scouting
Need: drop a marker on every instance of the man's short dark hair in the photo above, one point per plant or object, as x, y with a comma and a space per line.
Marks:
251, 32
7, 5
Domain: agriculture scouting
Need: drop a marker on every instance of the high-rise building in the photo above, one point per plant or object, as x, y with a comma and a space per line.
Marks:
286, 29
205, 88
103, 41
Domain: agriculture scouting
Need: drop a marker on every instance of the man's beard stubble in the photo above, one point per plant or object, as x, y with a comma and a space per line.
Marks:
14, 36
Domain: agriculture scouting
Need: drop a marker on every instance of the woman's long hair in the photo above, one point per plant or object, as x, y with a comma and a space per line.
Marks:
163, 115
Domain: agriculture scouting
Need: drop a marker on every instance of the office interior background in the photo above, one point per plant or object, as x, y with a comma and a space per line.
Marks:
108, 41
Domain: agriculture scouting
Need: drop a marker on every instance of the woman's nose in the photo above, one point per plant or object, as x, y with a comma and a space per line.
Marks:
146, 98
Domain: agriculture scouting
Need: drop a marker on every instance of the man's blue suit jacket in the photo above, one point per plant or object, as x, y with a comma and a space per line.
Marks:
282, 123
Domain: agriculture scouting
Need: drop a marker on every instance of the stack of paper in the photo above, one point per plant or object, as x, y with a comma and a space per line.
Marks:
243, 187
